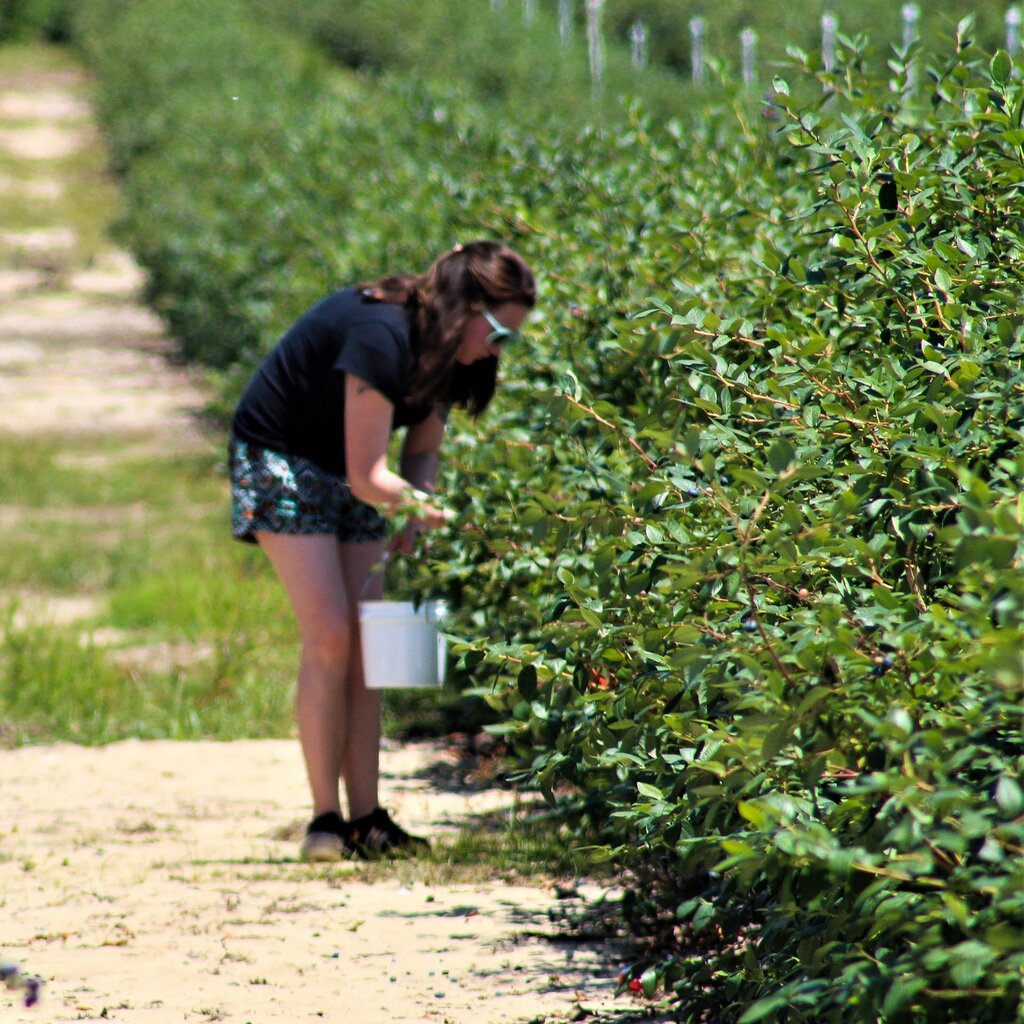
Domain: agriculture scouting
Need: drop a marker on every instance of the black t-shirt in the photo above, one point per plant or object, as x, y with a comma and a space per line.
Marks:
295, 403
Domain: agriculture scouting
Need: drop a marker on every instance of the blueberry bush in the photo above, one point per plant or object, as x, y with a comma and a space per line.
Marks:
738, 566
31, 19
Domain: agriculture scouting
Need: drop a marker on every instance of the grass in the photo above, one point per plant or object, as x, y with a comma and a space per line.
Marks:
87, 200
166, 572
510, 847
134, 534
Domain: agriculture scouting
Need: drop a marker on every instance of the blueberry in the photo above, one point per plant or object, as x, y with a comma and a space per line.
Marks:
749, 625
888, 661
693, 492
724, 480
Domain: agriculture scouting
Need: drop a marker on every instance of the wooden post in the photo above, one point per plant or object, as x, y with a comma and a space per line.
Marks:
697, 50
565, 20
1012, 30
639, 38
595, 44
748, 44
829, 24
911, 13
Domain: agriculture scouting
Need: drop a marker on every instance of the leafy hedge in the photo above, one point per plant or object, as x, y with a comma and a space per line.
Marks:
740, 564
783, 662
29, 19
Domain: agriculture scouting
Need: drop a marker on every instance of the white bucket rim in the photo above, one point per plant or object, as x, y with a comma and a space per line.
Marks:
380, 609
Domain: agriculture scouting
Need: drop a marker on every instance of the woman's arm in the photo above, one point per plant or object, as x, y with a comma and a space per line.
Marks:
367, 432
420, 451
418, 465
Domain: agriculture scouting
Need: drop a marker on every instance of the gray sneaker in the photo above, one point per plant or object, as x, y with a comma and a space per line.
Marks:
327, 840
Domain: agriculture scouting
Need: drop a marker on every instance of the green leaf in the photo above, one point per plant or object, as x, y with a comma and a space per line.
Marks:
776, 739
1005, 937
649, 791
1001, 67
691, 442
781, 455
762, 1008
1009, 796
527, 682
649, 982
754, 814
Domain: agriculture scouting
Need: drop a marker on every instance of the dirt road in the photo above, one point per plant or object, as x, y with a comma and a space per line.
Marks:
157, 882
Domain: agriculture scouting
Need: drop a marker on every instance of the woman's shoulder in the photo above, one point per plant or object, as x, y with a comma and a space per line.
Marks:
349, 307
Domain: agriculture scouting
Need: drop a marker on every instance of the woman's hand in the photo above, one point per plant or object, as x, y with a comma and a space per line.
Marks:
404, 542
425, 510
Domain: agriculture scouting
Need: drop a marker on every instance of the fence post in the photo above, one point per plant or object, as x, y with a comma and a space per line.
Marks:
697, 49
829, 24
910, 12
595, 45
748, 44
1012, 30
639, 37
565, 19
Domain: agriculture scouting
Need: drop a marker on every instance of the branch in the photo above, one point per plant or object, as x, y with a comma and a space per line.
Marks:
651, 464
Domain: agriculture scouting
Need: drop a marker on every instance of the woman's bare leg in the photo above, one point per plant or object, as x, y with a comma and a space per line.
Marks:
310, 567
361, 751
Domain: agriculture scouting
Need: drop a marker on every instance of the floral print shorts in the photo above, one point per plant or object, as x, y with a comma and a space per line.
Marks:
280, 493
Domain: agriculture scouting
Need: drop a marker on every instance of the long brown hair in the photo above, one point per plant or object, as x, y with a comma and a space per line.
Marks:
440, 302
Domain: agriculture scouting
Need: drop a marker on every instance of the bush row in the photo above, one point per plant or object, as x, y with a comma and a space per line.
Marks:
528, 75
783, 664
498, 54
739, 564
29, 19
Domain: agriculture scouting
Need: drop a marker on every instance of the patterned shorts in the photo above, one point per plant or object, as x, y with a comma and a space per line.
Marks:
289, 494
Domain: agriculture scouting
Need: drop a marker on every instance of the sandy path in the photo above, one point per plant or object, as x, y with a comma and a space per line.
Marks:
144, 881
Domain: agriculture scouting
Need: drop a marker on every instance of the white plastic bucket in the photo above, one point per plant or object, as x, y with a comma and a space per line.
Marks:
402, 647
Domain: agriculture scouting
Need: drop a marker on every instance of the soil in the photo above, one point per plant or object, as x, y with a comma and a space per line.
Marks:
150, 882
158, 881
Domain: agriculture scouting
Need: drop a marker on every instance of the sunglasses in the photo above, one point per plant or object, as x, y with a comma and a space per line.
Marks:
500, 334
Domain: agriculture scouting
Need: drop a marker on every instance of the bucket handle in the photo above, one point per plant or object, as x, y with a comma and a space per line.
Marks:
375, 570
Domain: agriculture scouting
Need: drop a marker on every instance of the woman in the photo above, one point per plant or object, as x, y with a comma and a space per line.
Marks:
311, 485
